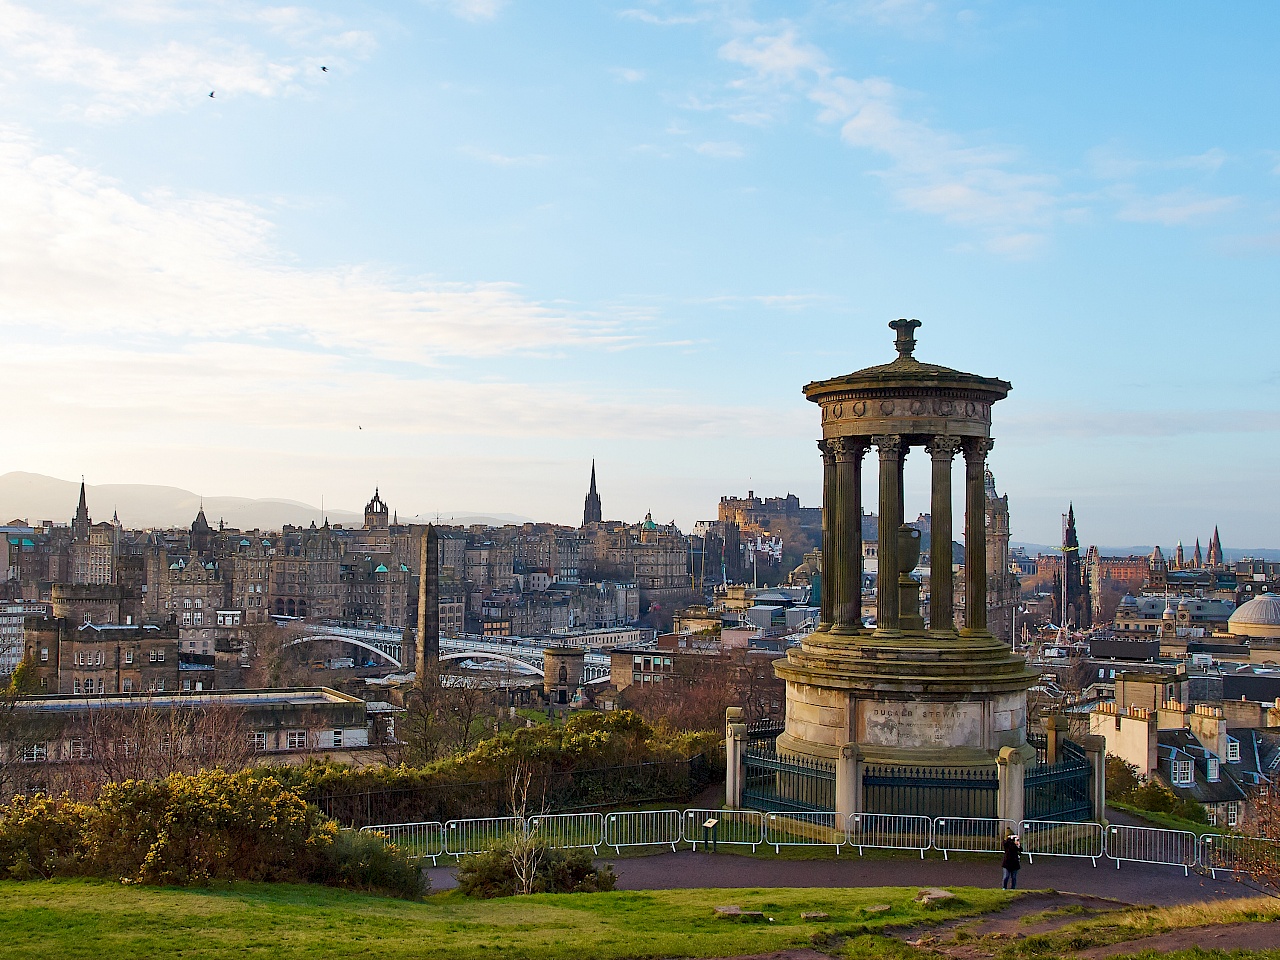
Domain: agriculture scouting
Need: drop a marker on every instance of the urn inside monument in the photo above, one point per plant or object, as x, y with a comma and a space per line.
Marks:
909, 619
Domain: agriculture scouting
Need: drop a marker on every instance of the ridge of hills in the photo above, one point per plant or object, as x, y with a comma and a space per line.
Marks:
34, 497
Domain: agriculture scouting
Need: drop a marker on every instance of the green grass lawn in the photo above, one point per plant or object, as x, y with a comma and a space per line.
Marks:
84, 919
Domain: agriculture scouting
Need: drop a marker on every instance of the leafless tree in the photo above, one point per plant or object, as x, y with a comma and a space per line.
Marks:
25, 736
444, 713
276, 659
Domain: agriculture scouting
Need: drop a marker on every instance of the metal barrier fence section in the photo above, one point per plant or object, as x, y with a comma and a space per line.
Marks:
971, 834
568, 830
1056, 838
889, 831
776, 784
933, 791
1152, 845
742, 827
1254, 856
418, 840
1238, 854
809, 829
479, 834
643, 828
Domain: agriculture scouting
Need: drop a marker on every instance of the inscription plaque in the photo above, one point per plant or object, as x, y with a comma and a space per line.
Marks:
894, 723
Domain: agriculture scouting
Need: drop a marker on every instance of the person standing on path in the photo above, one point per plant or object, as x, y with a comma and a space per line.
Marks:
1012, 862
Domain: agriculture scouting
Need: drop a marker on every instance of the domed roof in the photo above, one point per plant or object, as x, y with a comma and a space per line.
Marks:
1260, 617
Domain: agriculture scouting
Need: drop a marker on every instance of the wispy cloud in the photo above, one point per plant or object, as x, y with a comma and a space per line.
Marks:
85, 257
1110, 163
505, 160
142, 72
663, 20
931, 171
476, 11
628, 74
721, 149
1175, 209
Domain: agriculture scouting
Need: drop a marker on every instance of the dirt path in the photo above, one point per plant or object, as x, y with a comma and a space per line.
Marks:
1228, 936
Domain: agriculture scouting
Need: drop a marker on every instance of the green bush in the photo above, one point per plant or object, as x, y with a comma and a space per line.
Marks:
1122, 779
41, 836
211, 826
493, 873
366, 861
194, 829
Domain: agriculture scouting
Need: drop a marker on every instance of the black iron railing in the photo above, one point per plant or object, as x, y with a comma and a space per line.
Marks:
930, 791
777, 784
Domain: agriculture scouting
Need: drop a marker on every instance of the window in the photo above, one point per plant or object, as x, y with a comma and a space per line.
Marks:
337, 738
160, 685
1233, 750
186, 685
1212, 764
44, 654
1233, 813
258, 740
1182, 773
128, 656
78, 749
75, 685
153, 655
35, 753
296, 740
128, 685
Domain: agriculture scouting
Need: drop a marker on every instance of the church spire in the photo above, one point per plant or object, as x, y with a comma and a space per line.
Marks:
80, 525
591, 512
1215, 550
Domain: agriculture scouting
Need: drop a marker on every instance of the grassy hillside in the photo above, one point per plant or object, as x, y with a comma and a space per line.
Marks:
100, 921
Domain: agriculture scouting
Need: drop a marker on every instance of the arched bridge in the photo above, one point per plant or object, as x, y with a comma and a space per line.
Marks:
525, 655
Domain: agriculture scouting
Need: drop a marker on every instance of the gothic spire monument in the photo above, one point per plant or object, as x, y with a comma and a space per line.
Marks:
591, 509
903, 695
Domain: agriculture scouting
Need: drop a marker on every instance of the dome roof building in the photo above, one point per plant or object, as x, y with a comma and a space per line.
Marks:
1259, 618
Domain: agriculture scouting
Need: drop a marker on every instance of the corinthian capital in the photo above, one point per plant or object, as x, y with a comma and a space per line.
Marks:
943, 448
890, 445
848, 449
977, 448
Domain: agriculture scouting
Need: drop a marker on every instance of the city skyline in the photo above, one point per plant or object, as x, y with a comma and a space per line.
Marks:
491, 242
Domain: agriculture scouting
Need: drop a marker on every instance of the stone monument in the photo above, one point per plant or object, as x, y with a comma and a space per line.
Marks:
906, 695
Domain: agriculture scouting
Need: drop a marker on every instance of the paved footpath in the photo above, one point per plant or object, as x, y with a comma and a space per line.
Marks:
1132, 883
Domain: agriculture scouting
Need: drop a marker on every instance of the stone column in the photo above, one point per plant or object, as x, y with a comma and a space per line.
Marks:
891, 449
848, 782
975, 535
1095, 749
1055, 731
735, 747
941, 586
1012, 800
832, 548
846, 532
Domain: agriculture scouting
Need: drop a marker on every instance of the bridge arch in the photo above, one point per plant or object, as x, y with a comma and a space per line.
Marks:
354, 641
484, 655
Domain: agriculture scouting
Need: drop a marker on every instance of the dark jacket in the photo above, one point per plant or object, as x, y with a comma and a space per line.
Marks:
1012, 855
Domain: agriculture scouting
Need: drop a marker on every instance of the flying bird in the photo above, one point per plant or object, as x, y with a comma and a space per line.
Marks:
325, 69
211, 93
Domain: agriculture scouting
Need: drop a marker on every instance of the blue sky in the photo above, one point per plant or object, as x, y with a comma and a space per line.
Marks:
496, 239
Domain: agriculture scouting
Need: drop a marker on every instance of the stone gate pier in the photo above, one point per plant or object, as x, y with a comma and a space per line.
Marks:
914, 700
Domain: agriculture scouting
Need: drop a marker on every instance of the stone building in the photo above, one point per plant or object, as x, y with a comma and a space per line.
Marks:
591, 508
70, 657
93, 546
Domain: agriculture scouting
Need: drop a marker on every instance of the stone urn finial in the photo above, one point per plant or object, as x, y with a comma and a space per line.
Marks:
908, 548
906, 341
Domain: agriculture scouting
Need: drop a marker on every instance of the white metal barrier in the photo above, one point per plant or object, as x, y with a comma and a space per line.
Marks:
889, 831
477, 835
970, 834
643, 828
418, 840
742, 827
1237, 854
1061, 838
1176, 848
567, 830
803, 829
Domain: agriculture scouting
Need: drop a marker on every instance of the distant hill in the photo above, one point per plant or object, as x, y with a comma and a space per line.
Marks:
33, 497
1142, 550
